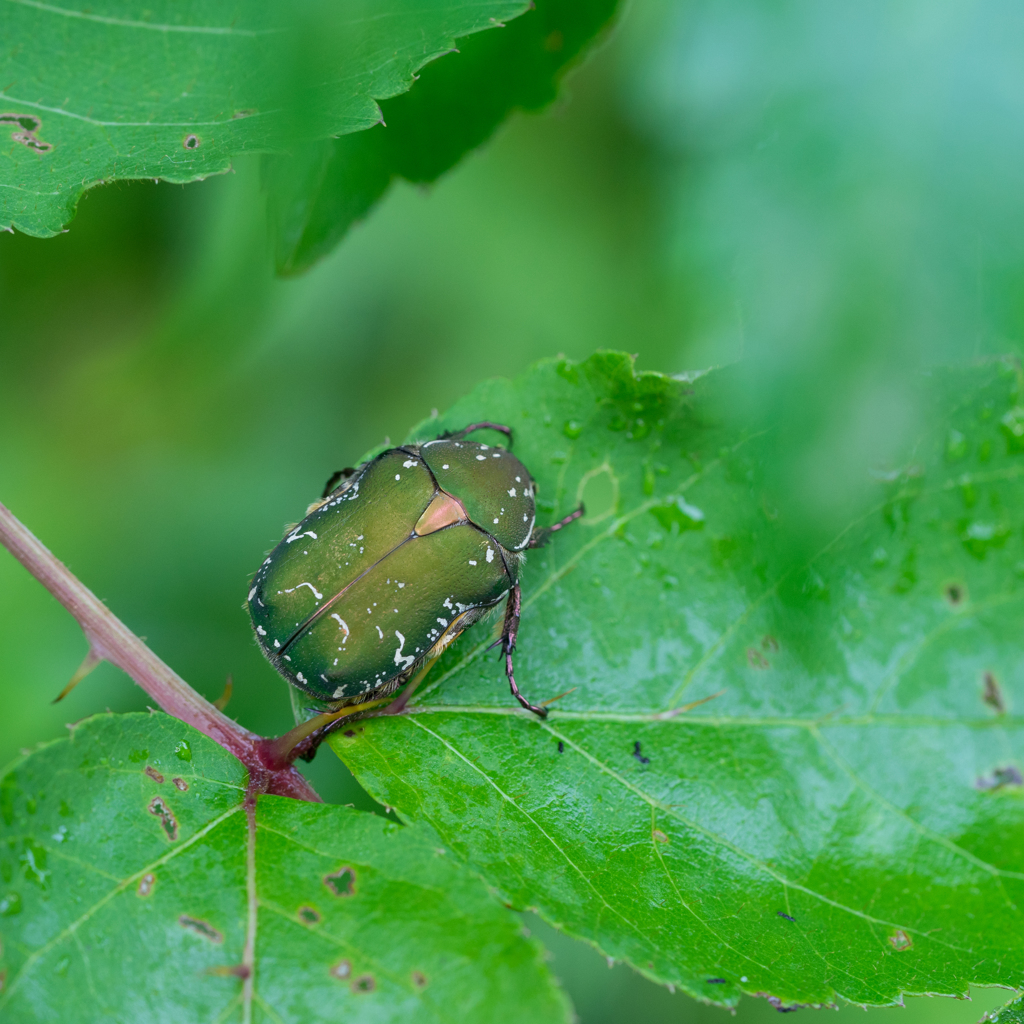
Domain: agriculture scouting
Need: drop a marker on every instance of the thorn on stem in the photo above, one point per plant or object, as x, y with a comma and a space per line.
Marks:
222, 701
91, 660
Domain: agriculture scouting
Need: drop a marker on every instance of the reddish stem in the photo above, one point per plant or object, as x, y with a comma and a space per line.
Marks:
112, 640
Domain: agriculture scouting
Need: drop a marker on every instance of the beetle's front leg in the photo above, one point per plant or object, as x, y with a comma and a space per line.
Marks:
542, 536
508, 637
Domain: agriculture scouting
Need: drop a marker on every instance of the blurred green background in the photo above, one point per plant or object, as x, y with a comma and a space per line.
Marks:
831, 192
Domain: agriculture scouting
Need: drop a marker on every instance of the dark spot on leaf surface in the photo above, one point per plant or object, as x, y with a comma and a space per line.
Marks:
154, 774
716, 981
341, 970
955, 594
900, 940
1000, 777
200, 927
636, 753
159, 809
561, 747
993, 695
755, 659
309, 915
25, 128
786, 916
342, 882
146, 883
349, 733
419, 979
180, 784
364, 983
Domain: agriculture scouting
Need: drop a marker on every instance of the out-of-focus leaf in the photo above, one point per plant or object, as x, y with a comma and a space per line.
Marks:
318, 190
846, 816
124, 91
1012, 1013
844, 196
134, 888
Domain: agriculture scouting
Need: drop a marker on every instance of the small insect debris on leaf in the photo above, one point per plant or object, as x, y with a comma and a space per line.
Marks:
200, 927
993, 695
636, 753
786, 916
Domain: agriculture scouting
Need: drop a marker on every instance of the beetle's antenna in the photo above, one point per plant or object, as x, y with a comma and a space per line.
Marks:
89, 662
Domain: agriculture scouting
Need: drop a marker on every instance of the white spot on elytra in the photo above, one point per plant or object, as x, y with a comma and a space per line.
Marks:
518, 480
379, 630
252, 593
490, 554
296, 536
277, 643
495, 520
444, 622
261, 631
512, 492
400, 585
342, 624
408, 464
402, 660
398, 476
301, 678
445, 466
472, 561
316, 592
481, 458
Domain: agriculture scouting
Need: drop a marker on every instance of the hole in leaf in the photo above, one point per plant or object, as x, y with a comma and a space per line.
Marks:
598, 493
309, 915
364, 983
159, 809
200, 927
900, 940
146, 883
341, 970
342, 882
190, 142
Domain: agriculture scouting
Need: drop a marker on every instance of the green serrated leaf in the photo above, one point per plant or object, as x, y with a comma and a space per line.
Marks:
97, 95
844, 816
320, 189
133, 887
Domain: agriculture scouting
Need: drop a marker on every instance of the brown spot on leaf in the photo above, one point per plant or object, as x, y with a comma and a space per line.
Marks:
900, 940
419, 979
159, 809
341, 970
755, 659
200, 927
993, 695
769, 643
3, 980
309, 915
146, 883
955, 594
154, 774
342, 882
230, 971
364, 983
180, 784
658, 836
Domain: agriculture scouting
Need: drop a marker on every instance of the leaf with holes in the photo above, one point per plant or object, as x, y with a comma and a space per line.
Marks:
95, 95
135, 886
318, 190
843, 816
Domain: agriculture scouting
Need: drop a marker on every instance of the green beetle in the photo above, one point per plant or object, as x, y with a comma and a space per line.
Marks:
393, 564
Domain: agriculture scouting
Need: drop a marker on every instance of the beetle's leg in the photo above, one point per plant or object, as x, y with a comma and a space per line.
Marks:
512, 610
338, 474
542, 536
458, 435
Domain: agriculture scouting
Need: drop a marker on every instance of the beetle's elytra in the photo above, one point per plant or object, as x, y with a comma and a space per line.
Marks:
394, 563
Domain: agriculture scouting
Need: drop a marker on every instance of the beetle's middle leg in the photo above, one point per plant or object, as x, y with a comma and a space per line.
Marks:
508, 638
542, 536
338, 474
